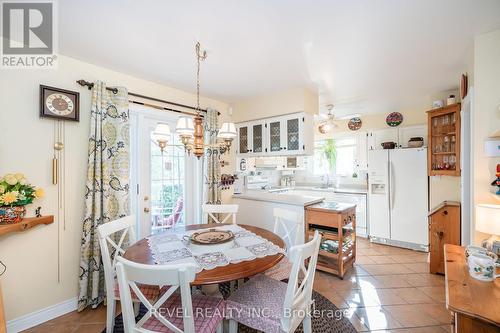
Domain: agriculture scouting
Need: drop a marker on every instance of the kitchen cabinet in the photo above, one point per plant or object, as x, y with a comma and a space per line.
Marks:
251, 138
444, 228
277, 136
243, 139
399, 135
258, 142
406, 133
359, 199
362, 146
375, 138
444, 146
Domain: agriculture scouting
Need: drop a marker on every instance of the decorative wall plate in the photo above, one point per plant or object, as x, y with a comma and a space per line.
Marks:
463, 86
394, 119
211, 237
354, 124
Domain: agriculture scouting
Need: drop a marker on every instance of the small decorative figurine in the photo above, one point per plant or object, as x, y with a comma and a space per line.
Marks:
496, 182
37, 212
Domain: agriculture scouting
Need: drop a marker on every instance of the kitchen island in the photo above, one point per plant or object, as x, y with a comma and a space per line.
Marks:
336, 222
256, 207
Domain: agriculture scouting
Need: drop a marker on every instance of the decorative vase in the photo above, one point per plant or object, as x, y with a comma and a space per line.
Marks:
11, 215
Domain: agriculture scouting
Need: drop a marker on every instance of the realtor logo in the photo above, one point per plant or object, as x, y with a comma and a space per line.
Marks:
28, 31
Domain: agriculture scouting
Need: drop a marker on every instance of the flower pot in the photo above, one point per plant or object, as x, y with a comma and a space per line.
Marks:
11, 215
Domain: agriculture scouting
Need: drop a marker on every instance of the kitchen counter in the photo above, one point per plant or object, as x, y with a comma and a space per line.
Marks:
280, 197
334, 207
341, 189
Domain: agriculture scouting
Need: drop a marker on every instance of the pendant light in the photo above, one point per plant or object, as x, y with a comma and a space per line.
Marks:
190, 130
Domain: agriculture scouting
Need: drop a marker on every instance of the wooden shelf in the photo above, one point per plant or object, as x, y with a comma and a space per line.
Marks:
445, 153
25, 224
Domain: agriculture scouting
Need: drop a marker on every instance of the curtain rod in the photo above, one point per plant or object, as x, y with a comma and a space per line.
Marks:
88, 84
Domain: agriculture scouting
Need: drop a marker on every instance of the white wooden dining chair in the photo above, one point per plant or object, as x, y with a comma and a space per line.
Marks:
277, 306
114, 236
229, 210
287, 225
174, 311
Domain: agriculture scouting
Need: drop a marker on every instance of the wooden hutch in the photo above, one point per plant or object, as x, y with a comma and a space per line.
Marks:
444, 141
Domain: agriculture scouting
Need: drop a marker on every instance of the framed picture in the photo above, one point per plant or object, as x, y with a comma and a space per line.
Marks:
59, 103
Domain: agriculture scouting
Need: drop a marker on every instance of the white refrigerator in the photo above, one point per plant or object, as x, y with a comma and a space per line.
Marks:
398, 197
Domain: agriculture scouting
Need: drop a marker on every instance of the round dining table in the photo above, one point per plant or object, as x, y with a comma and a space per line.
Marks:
140, 252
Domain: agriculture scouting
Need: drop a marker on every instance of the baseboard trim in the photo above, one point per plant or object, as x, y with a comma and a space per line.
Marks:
36, 318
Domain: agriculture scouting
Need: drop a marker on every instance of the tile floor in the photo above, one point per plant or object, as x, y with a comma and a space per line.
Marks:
389, 290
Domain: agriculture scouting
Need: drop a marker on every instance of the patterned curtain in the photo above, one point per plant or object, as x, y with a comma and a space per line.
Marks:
107, 187
212, 161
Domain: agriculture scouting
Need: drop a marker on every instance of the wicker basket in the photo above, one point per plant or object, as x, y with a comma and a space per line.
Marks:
11, 215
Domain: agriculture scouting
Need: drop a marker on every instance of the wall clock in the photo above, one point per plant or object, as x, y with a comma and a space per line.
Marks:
59, 103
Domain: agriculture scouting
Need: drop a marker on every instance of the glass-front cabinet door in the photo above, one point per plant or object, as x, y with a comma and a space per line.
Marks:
293, 134
275, 136
243, 139
257, 138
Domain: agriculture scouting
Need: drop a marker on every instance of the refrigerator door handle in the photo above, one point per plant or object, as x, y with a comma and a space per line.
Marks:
392, 188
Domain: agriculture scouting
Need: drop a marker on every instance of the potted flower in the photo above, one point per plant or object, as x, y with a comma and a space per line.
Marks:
15, 194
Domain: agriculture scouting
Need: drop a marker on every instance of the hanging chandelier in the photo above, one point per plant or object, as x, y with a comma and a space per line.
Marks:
191, 130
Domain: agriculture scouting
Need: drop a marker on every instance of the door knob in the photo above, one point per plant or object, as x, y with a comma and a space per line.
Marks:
146, 210
146, 198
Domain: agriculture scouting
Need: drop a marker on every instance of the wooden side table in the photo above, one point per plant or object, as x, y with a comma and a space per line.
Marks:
475, 304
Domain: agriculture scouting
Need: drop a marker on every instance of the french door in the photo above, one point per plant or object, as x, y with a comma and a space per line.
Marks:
166, 185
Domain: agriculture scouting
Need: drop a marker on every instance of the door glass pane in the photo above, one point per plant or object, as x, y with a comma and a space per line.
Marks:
275, 136
167, 186
243, 140
292, 133
257, 138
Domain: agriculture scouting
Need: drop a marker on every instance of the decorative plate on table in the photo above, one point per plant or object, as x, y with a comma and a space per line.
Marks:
394, 119
211, 237
354, 124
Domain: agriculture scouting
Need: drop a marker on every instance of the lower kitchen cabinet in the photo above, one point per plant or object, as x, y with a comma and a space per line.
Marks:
444, 228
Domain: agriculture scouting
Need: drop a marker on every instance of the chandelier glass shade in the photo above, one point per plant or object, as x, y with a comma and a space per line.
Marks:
162, 134
227, 131
185, 126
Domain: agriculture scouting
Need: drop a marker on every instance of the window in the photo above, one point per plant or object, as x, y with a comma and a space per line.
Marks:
335, 156
167, 185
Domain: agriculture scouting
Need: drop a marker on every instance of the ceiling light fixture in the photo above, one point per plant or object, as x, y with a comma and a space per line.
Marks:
329, 124
191, 130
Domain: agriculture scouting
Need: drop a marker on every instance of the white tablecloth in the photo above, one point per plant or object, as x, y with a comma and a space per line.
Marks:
171, 248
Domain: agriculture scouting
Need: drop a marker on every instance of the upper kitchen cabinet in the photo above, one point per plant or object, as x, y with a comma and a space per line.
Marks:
277, 136
399, 135
258, 140
408, 132
244, 139
377, 137
251, 138
275, 132
444, 141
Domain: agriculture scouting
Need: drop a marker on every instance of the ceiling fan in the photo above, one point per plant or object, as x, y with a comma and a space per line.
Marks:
331, 120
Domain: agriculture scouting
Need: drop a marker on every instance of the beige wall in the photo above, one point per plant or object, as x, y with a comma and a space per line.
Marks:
486, 118
289, 101
30, 282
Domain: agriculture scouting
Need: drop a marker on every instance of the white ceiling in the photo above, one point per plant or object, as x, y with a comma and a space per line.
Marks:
364, 56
